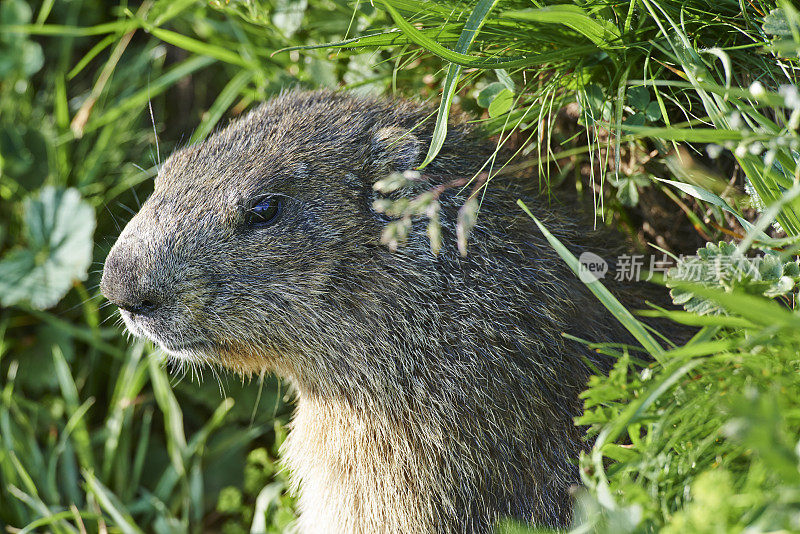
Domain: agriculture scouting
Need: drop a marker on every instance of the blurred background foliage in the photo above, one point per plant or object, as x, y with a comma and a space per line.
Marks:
677, 120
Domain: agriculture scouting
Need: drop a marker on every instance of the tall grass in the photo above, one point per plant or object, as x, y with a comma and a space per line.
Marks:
670, 96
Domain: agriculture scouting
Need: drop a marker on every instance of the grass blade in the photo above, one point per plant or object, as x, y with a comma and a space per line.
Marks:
173, 416
711, 198
465, 60
600, 32
70, 394
465, 40
110, 504
226, 97
608, 300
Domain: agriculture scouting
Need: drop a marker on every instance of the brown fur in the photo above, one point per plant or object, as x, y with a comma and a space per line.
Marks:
434, 393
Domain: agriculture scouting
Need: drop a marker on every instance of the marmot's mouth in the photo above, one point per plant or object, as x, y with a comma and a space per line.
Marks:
186, 351
183, 349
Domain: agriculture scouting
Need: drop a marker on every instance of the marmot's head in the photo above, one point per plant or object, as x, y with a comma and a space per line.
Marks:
248, 237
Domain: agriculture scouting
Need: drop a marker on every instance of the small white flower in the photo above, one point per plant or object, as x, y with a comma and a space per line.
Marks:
713, 150
741, 151
757, 90
756, 148
769, 157
791, 97
735, 120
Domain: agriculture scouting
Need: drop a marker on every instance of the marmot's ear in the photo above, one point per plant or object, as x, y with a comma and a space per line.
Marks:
395, 149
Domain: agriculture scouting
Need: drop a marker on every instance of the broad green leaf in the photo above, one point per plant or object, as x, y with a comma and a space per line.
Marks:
24, 153
38, 375
487, 95
58, 228
15, 12
502, 103
653, 111
776, 23
628, 188
638, 97
637, 119
18, 54
31, 57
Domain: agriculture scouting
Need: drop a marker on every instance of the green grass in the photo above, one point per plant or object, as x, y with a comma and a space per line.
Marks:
692, 102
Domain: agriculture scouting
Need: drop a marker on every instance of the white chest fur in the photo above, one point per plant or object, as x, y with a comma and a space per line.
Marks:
360, 472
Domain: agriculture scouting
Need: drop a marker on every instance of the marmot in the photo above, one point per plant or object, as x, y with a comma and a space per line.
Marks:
435, 392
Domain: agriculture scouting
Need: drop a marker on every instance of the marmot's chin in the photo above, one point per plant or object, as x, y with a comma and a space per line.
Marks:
181, 354
130, 324
177, 351
180, 351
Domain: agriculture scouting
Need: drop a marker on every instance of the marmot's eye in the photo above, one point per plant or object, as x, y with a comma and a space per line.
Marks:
265, 212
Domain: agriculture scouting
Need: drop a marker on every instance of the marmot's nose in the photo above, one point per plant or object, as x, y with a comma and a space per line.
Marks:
123, 284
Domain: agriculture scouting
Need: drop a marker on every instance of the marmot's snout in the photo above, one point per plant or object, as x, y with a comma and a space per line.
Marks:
161, 296
125, 282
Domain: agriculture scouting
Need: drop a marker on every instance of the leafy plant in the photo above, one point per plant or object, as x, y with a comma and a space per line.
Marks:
262, 503
722, 266
20, 57
58, 230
